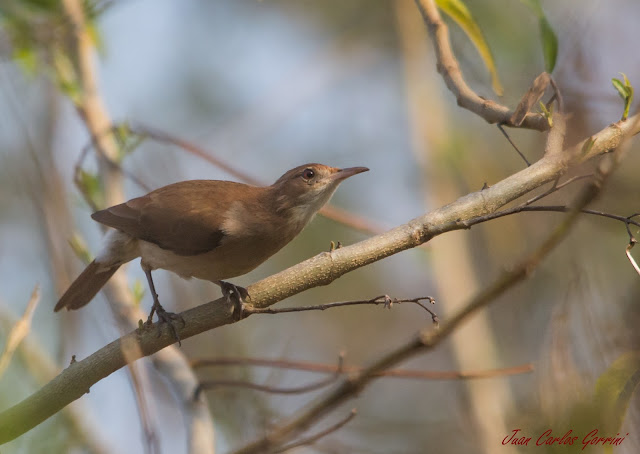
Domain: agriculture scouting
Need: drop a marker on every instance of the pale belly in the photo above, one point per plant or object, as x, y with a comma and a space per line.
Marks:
230, 259
224, 262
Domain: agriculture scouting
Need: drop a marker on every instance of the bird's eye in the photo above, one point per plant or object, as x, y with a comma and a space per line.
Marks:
308, 174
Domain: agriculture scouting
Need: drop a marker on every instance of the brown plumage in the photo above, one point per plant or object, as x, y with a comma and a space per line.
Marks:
207, 229
85, 287
173, 216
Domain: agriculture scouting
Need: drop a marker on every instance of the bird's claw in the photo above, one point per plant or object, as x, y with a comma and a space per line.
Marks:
169, 318
240, 294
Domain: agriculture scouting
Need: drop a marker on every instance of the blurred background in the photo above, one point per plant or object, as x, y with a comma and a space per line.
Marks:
265, 86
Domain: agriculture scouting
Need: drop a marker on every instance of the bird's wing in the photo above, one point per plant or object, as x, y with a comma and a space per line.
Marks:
184, 218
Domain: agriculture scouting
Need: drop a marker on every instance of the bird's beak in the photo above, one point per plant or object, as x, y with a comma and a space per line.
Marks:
342, 174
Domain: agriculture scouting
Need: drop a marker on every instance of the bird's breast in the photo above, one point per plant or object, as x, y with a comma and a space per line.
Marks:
234, 256
250, 236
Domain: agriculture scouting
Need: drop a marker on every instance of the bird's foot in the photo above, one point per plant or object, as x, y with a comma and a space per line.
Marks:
165, 317
236, 295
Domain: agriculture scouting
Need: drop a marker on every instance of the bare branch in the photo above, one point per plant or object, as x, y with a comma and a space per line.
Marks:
630, 257
449, 68
329, 211
385, 300
556, 187
272, 389
515, 147
312, 439
162, 136
391, 373
548, 208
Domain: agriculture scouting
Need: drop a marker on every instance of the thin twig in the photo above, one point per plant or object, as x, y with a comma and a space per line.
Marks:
557, 94
629, 218
20, 330
328, 211
112, 163
556, 187
312, 439
162, 136
331, 368
515, 147
385, 300
272, 389
630, 257
546, 208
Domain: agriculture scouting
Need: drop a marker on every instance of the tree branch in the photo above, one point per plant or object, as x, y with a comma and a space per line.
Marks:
448, 67
385, 300
328, 211
392, 373
312, 439
275, 390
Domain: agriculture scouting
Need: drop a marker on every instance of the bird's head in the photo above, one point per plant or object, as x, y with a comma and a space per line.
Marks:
302, 191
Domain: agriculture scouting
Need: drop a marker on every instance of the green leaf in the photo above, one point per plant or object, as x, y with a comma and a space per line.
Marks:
619, 86
614, 390
548, 113
549, 44
625, 90
547, 35
458, 11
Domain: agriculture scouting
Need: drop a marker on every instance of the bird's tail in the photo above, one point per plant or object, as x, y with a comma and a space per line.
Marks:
85, 287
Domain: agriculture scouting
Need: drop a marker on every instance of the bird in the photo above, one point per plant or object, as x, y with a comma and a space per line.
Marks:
206, 229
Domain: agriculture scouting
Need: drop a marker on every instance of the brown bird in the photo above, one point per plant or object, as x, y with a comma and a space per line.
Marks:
207, 229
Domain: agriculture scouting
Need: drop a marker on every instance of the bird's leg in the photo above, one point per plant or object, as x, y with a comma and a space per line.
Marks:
240, 294
163, 315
